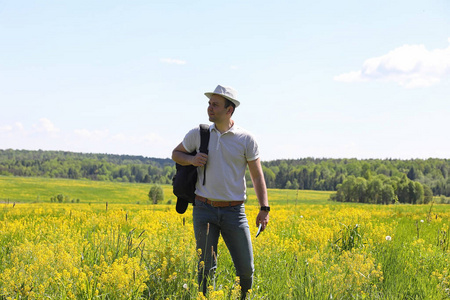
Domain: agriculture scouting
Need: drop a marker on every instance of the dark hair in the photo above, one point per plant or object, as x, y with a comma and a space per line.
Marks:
228, 103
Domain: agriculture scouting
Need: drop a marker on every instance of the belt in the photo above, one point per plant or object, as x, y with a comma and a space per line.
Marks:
218, 203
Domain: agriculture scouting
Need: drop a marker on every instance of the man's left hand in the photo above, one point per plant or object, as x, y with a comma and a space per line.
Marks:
263, 219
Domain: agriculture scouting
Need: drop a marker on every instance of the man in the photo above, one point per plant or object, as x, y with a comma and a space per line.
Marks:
219, 203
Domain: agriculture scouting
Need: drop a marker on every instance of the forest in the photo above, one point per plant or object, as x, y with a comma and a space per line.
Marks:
71, 165
327, 174
305, 174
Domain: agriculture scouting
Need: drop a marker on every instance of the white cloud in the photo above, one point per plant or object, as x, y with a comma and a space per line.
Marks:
409, 66
43, 128
6, 128
173, 61
19, 126
120, 137
105, 141
37, 136
46, 126
13, 130
45, 135
353, 76
91, 134
150, 138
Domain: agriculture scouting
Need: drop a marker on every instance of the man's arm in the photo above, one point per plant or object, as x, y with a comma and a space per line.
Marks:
182, 157
259, 185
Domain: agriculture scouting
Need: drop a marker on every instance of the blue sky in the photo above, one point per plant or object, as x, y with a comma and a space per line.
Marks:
334, 79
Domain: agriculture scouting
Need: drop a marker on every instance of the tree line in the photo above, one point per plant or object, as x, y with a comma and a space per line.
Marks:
381, 189
102, 167
327, 174
305, 174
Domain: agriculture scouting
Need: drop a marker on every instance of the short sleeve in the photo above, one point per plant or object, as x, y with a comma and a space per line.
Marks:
252, 151
191, 141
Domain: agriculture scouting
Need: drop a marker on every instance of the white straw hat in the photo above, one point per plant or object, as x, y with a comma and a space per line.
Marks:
226, 92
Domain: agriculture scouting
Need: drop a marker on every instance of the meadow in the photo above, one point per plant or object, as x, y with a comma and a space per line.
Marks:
131, 249
35, 189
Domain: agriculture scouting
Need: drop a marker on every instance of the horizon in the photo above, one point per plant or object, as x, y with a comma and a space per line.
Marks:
277, 159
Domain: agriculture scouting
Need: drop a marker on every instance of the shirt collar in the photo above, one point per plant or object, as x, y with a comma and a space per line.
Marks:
231, 130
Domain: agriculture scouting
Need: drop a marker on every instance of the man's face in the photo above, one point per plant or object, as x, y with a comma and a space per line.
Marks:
216, 109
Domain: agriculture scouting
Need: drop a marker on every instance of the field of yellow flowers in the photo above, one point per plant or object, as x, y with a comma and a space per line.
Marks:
130, 251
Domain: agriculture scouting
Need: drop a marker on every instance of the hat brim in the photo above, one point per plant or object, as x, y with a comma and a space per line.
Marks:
236, 102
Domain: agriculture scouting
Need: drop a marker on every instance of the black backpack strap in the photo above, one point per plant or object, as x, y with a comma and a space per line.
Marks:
204, 142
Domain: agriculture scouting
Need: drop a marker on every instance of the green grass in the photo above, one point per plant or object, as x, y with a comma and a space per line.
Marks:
32, 189
279, 196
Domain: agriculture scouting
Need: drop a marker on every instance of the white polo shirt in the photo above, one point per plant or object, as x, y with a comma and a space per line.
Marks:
228, 155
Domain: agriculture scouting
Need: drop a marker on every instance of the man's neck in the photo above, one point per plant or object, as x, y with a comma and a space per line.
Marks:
223, 127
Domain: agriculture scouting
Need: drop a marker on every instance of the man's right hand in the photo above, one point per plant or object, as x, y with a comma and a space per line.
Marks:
182, 157
199, 160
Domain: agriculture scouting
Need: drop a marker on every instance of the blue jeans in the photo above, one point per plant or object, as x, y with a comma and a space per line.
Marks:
232, 223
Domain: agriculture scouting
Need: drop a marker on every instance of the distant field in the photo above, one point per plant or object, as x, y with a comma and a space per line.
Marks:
31, 189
